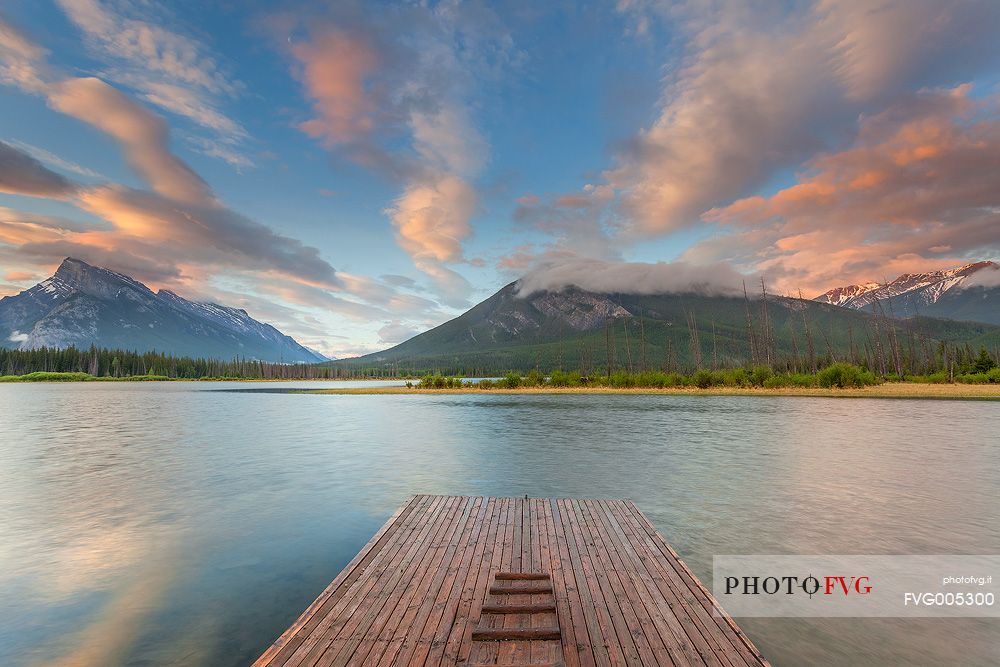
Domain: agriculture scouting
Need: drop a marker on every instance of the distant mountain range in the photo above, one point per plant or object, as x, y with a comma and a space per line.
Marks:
515, 328
953, 294
574, 328
84, 305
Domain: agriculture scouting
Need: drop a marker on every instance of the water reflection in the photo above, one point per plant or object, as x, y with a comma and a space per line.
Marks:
179, 524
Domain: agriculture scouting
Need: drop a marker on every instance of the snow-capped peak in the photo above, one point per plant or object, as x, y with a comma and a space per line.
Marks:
926, 288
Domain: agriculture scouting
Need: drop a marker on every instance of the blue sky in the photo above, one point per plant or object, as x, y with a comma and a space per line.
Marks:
358, 172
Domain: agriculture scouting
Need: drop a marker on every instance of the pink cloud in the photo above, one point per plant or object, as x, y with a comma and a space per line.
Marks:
335, 66
142, 134
916, 191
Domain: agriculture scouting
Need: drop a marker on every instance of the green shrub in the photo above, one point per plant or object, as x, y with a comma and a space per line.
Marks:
42, 376
563, 379
510, 381
759, 375
534, 378
843, 375
703, 379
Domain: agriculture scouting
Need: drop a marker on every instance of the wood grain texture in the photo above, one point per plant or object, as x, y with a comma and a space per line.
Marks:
467, 580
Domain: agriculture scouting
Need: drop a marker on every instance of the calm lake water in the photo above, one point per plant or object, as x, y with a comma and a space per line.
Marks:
189, 524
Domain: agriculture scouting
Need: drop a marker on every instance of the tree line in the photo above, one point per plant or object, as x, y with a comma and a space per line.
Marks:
100, 362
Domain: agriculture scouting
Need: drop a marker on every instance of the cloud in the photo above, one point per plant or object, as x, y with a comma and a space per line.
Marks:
398, 281
182, 214
632, 278
582, 224
142, 134
51, 159
396, 332
395, 93
761, 88
334, 67
432, 218
170, 70
988, 277
185, 102
210, 232
17, 337
19, 59
916, 191
518, 259
146, 45
22, 174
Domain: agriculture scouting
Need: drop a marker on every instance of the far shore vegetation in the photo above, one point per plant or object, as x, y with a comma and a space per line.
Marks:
958, 367
835, 376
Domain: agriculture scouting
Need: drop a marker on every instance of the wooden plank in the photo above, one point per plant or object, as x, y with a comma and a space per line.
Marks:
486, 652
467, 616
451, 581
667, 627
595, 628
438, 623
535, 589
620, 652
619, 582
530, 608
506, 634
423, 599
697, 617
313, 631
398, 627
569, 651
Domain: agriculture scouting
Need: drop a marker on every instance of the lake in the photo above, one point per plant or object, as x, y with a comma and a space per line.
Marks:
190, 523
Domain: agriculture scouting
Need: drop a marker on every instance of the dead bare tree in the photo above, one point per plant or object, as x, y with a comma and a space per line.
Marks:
715, 349
642, 344
810, 347
754, 358
607, 343
795, 345
693, 341
628, 349
767, 334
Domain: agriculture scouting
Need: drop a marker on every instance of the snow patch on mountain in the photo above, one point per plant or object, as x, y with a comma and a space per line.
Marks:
85, 305
915, 289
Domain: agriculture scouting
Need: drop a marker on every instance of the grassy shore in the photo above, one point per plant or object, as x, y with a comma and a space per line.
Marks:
887, 390
87, 377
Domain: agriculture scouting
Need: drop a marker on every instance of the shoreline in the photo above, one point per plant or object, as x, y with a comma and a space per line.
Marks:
15, 379
914, 390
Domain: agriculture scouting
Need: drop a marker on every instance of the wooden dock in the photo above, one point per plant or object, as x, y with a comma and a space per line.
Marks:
457, 580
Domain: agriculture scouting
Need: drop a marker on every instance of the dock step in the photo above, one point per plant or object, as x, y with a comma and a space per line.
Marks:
510, 634
516, 627
537, 589
522, 576
541, 608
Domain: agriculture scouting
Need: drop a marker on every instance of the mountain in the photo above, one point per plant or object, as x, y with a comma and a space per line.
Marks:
574, 328
953, 294
83, 305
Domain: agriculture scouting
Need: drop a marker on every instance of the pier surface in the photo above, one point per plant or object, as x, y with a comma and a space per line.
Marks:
458, 580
